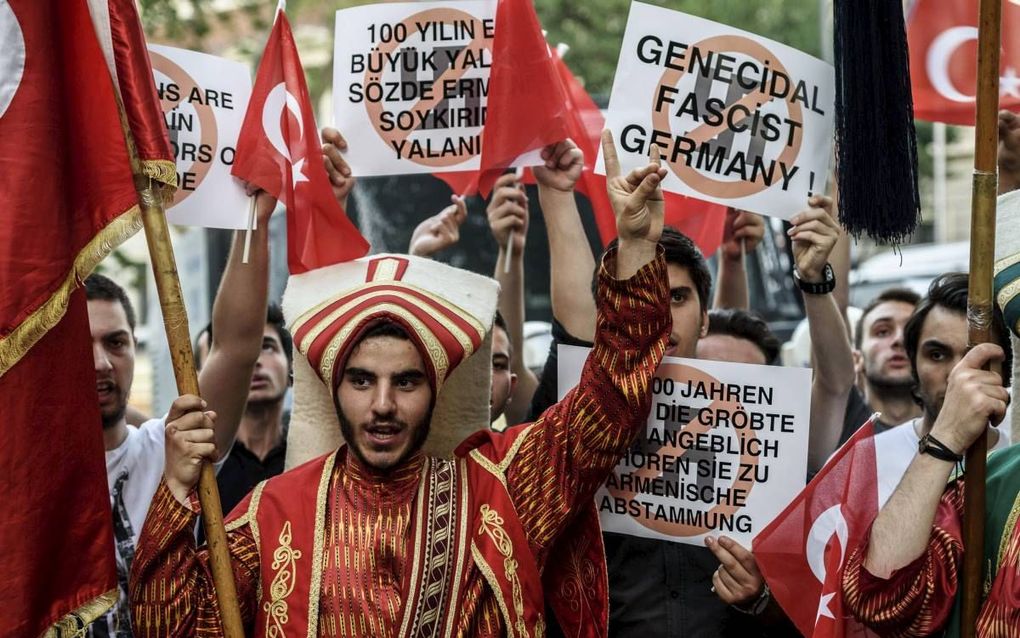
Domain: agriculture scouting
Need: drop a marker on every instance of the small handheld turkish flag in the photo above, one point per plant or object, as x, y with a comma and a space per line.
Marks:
278, 150
801, 553
943, 55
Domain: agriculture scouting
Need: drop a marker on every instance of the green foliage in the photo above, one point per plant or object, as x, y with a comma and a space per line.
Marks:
594, 28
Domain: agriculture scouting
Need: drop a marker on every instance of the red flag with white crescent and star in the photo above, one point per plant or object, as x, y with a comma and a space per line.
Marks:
943, 59
67, 198
278, 150
802, 551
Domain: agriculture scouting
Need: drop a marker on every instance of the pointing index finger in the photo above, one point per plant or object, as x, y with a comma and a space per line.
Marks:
609, 154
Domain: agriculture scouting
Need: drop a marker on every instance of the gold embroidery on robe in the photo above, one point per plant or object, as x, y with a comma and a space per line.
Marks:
492, 524
284, 559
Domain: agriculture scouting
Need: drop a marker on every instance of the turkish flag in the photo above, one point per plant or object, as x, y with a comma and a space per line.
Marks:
943, 59
801, 552
66, 199
278, 150
526, 110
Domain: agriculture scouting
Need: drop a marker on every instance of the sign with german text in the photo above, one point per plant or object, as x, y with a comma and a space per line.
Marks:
724, 450
411, 84
204, 99
739, 120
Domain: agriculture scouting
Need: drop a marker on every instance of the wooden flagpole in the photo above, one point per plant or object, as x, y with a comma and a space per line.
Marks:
979, 301
175, 321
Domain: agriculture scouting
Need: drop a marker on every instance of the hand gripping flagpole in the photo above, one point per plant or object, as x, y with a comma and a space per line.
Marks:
979, 298
175, 321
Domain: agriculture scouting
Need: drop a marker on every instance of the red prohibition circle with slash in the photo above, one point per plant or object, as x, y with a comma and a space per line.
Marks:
661, 120
423, 106
675, 371
206, 117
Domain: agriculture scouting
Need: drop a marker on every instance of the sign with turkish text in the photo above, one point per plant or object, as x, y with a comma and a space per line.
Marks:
204, 99
724, 450
411, 84
739, 120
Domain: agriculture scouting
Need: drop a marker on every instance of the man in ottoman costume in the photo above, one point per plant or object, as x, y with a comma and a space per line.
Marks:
385, 535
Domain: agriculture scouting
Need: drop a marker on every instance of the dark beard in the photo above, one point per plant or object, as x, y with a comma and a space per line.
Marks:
347, 430
112, 419
890, 387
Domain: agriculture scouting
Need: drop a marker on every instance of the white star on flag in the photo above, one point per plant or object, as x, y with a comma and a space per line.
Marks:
297, 174
823, 607
1009, 83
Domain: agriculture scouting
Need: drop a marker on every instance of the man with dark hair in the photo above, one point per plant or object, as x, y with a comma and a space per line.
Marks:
936, 342
739, 337
881, 364
503, 377
380, 536
135, 455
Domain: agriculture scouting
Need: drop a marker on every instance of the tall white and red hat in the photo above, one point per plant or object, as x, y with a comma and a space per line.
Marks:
446, 311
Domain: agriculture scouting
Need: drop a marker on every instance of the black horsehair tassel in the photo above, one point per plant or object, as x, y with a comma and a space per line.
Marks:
876, 145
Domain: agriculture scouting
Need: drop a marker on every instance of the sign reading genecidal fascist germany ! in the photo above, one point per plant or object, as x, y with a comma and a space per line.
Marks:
740, 120
724, 450
411, 84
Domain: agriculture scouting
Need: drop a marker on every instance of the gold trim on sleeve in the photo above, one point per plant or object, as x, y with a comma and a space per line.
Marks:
318, 543
76, 622
492, 525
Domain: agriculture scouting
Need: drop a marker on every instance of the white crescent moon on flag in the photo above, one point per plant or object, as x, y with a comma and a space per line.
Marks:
12, 55
272, 112
937, 61
829, 523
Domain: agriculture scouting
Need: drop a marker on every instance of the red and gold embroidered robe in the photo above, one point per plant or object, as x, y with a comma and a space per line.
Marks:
921, 598
369, 562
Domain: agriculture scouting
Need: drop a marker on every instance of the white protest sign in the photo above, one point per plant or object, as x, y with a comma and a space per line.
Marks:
740, 120
204, 99
724, 450
411, 84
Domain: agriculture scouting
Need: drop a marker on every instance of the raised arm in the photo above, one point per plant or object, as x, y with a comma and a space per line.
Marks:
238, 319
814, 234
573, 446
741, 235
508, 214
570, 259
906, 577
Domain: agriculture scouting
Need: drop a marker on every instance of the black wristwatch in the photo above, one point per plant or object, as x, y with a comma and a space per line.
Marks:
758, 606
824, 287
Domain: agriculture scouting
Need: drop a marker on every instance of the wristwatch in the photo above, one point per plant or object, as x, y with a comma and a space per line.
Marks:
760, 603
824, 287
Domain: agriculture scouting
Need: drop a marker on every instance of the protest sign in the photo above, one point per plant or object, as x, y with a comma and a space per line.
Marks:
411, 84
740, 120
204, 99
724, 450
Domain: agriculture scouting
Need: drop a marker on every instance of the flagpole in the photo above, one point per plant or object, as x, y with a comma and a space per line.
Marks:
979, 301
175, 321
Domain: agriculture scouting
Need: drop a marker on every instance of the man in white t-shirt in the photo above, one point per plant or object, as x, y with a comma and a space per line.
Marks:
135, 455
935, 339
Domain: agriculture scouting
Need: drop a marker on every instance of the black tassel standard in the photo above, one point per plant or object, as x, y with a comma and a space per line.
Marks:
876, 145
